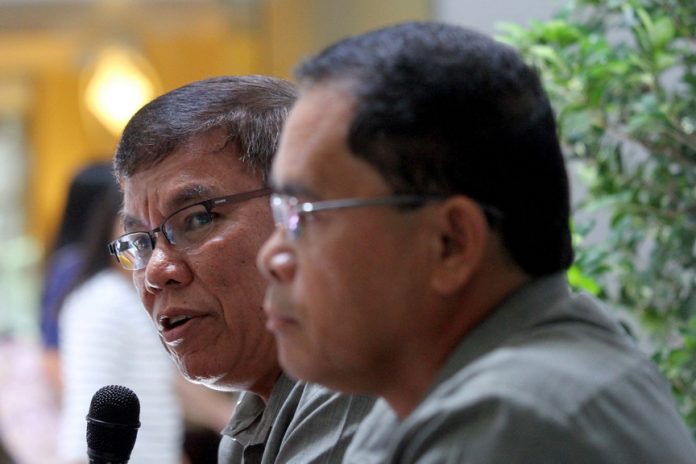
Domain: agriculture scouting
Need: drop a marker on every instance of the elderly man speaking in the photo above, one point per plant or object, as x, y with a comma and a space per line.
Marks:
193, 165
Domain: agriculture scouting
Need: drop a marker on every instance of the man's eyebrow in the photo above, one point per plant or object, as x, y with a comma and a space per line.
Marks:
131, 224
182, 198
188, 195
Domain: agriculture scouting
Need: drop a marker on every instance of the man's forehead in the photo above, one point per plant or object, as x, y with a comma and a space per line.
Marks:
175, 189
193, 169
315, 132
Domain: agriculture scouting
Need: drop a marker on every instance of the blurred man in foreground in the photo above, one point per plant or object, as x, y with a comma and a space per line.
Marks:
193, 165
423, 235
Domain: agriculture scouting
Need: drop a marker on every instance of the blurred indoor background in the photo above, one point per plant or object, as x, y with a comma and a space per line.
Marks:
73, 71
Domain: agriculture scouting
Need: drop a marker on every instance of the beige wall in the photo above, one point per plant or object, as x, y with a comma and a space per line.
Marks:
265, 37
63, 136
297, 28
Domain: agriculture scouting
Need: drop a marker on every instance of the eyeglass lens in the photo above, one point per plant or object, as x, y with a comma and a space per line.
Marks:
184, 229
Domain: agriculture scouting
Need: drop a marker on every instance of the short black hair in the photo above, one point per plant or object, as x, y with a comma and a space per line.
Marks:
85, 188
445, 110
250, 110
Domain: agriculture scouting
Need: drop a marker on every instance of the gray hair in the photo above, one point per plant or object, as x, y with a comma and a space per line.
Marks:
250, 110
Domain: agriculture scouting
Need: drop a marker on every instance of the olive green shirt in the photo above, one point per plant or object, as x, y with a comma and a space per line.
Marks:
302, 423
548, 377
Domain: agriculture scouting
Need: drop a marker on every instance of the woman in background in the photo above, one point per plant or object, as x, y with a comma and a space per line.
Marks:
64, 260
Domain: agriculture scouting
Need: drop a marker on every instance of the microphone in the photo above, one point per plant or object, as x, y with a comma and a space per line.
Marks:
112, 425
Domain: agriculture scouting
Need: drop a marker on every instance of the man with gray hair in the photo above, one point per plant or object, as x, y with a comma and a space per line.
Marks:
193, 165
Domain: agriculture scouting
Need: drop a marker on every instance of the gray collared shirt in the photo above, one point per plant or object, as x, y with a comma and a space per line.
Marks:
548, 377
302, 423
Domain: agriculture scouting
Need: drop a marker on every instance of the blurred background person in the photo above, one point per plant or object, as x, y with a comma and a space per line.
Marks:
64, 260
30, 385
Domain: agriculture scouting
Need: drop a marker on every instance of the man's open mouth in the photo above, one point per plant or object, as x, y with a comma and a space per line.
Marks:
168, 323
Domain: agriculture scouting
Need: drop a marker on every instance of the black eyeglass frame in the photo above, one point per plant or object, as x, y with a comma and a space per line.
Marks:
208, 204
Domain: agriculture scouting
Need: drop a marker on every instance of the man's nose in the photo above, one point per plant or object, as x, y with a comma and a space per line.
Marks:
276, 261
165, 268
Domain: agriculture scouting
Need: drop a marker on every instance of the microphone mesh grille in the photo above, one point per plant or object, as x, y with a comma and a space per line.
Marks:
118, 411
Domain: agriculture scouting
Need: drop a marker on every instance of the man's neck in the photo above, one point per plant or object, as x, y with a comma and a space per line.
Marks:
420, 363
264, 386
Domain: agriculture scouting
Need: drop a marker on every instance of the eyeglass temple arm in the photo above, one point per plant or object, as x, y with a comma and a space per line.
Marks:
358, 202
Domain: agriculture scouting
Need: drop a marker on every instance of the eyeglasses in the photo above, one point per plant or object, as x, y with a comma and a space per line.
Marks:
184, 228
288, 210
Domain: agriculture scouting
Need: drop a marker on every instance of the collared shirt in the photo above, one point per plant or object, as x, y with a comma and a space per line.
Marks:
548, 377
302, 423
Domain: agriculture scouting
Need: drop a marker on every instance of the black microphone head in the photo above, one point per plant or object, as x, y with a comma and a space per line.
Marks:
112, 424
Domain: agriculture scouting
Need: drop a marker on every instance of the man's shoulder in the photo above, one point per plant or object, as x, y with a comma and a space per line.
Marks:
552, 371
572, 352
313, 399
315, 424
303, 422
491, 422
542, 397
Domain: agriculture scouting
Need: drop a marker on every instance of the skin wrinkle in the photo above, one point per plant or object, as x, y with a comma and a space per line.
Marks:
217, 280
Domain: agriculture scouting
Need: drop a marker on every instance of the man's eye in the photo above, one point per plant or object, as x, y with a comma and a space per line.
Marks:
198, 220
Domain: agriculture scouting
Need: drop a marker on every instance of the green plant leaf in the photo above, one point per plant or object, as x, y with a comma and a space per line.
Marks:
578, 280
621, 76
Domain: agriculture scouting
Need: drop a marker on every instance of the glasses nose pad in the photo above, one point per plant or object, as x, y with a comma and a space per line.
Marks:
165, 230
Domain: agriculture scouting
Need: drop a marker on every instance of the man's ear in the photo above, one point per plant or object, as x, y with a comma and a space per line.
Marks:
461, 245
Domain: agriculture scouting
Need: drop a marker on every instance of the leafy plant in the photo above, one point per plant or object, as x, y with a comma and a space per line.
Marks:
621, 75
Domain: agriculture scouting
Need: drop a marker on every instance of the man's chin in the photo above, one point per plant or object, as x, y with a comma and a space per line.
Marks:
211, 381
297, 367
197, 375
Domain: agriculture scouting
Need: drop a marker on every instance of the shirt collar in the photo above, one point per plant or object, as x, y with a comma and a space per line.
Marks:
523, 308
253, 418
